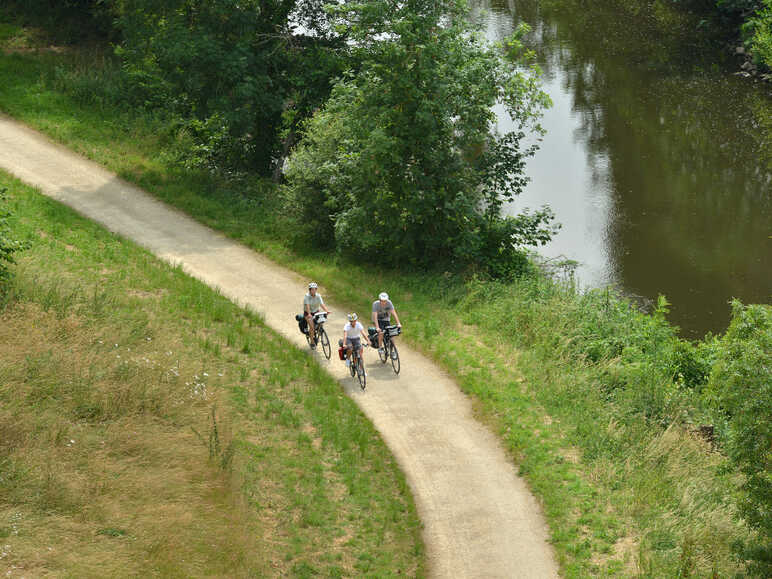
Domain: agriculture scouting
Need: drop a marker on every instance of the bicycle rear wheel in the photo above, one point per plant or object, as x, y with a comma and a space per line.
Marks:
394, 355
361, 373
325, 343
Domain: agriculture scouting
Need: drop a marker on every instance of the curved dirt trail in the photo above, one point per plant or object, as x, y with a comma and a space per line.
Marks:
479, 518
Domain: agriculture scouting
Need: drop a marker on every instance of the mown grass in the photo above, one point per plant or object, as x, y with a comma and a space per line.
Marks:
601, 431
149, 427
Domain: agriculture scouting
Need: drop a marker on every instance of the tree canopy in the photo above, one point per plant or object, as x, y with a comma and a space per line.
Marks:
403, 164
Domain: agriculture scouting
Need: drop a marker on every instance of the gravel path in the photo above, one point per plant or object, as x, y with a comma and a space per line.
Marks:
479, 518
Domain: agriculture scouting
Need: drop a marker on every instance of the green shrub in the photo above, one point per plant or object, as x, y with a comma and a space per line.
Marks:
740, 389
757, 31
8, 243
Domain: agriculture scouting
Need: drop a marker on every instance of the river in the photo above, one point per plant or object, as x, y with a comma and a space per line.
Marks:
651, 161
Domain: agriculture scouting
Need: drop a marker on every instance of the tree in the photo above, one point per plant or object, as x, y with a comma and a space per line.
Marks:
231, 67
403, 164
740, 387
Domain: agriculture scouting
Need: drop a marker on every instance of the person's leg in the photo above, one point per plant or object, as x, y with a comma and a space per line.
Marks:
312, 335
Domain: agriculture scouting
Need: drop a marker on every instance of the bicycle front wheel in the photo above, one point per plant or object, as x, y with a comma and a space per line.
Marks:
394, 355
384, 355
325, 343
361, 373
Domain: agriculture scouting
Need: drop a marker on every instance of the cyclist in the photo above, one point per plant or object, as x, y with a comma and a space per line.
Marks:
382, 312
353, 332
312, 303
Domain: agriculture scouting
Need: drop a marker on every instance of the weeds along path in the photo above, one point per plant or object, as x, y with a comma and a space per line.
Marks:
480, 519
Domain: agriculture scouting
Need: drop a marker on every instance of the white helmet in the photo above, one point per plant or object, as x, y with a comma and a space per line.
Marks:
383, 296
312, 285
352, 317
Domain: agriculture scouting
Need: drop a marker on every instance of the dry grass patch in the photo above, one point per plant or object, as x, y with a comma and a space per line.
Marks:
100, 476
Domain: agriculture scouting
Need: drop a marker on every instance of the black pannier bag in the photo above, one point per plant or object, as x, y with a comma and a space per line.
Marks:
302, 323
373, 332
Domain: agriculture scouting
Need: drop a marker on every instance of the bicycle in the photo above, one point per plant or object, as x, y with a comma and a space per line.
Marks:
357, 367
390, 351
320, 336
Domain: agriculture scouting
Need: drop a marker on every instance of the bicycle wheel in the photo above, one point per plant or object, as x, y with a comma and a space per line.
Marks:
353, 366
361, 373
308, 337
385, 354
394, 355
325, 341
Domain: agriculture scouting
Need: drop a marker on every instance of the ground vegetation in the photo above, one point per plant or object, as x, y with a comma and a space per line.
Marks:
629, 435
150, 427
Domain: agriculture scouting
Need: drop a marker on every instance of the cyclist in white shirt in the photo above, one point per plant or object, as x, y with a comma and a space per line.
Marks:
312, 303
353, 332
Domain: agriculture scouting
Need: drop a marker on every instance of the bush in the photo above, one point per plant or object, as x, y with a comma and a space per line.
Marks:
757, 31
740, 389
8, 243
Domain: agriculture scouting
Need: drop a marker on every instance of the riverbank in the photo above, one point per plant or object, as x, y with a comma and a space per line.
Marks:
582, 389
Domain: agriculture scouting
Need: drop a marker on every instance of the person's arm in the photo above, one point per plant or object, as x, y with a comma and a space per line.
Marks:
365, 336
374, 317
321, 304
306, 306
396, 317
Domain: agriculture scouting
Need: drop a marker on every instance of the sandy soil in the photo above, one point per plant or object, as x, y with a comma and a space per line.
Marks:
480, 519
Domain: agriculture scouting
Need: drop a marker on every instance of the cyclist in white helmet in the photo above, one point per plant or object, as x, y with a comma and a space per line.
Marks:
312, 303
353, 332
383, 309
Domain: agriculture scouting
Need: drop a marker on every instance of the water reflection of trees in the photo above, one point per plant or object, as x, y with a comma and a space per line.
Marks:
682, 141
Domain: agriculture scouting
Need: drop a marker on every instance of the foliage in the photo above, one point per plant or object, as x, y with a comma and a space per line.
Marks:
741, 389
66, 21
752, 20
402, 164
232, 67
9, 244
757, 31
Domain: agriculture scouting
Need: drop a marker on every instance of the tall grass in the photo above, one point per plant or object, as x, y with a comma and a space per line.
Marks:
139, 436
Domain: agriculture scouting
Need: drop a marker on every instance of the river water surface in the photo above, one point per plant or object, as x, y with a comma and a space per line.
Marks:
652, 160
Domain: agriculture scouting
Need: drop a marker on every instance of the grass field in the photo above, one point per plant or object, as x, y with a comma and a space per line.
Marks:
149, 427
576, 386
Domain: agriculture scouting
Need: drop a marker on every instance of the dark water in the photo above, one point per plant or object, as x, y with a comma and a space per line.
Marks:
652, 161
